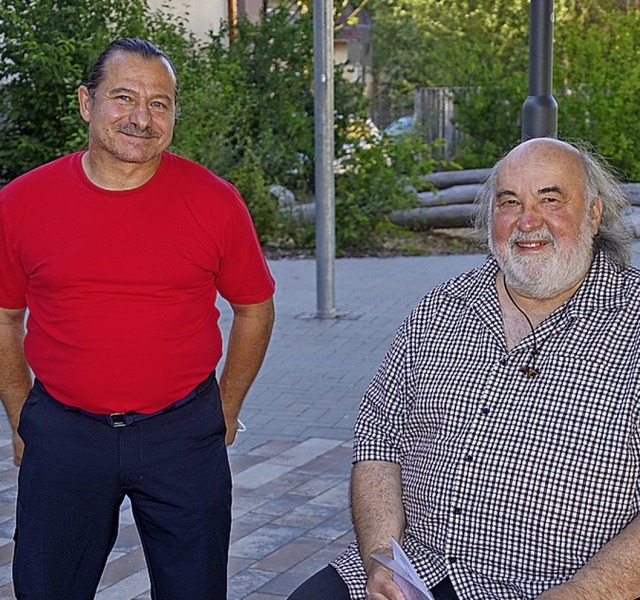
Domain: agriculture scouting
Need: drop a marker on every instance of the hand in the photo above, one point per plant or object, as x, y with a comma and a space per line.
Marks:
380, 585
18, 449
232, 429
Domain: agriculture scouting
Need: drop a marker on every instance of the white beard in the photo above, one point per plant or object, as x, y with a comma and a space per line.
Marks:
544, 277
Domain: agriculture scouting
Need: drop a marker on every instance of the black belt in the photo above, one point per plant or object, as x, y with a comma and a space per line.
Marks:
131, 417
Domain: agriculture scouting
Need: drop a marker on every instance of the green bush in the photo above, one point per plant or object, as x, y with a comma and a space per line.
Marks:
374, 178
246, 105
483, 46
254, 96
251, 182
46, 51
598, 77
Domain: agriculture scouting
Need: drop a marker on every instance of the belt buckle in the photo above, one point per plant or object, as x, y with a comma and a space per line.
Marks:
116, 420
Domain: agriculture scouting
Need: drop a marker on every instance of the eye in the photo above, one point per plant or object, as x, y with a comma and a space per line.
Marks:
551, 202
123, 98
507, 202
159, 105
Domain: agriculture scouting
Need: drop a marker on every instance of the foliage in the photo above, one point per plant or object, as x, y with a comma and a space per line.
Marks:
254, 95
249, 116
482, 46
374, 178
46, 51
429, 43
467, 45
246, 104
251, 181
599, 91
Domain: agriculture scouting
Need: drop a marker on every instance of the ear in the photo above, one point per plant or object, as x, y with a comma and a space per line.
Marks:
596, 215
84, 100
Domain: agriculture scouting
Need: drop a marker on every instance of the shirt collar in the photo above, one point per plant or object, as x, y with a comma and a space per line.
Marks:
604, 289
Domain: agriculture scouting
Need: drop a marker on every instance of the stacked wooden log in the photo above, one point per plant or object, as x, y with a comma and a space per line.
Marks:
452, 204
449, 203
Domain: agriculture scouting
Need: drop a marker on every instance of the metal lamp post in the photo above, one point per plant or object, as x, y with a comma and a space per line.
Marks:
324, 150
540, 109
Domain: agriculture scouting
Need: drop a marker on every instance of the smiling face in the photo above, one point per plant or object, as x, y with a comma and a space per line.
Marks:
541, 231
131, 113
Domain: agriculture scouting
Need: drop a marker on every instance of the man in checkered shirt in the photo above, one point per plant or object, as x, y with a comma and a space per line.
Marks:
499, 441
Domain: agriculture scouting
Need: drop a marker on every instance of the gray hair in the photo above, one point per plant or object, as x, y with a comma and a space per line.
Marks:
614, 236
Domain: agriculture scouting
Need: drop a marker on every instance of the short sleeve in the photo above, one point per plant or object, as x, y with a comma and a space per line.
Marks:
379, 428
13, 280
243, 276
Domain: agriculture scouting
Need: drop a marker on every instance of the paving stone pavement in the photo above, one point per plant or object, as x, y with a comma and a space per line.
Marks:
291, 466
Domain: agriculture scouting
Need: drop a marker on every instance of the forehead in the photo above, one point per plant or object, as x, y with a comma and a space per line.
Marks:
542, 165
132, 71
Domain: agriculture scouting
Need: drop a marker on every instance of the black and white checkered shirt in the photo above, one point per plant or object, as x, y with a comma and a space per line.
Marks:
510, 483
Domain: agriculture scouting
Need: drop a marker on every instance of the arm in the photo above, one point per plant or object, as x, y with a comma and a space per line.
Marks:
378, 515
248, 340
613, 573
15, 375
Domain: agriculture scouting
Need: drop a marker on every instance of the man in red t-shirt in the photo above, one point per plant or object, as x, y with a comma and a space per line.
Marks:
118, 253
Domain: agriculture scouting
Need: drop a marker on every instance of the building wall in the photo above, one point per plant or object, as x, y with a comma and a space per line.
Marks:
251, 8
206, 15
203, 15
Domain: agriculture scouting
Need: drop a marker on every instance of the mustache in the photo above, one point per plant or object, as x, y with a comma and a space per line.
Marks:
134, 130
542, 235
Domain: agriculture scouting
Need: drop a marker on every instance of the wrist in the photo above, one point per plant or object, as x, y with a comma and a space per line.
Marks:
371, 564
569, 590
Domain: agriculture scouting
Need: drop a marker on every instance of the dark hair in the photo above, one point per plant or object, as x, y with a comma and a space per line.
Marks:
614, 236
142, 48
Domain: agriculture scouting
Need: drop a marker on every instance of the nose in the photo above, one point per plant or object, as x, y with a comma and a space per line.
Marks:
530, 218
140, 116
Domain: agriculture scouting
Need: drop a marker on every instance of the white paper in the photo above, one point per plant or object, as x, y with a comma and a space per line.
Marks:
404, 575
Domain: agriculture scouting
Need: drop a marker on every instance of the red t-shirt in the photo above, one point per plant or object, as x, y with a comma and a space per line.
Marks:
121, 286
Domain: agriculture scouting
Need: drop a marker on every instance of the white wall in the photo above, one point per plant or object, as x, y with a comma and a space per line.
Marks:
203, 15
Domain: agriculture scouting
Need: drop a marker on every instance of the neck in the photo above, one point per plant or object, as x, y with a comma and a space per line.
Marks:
118, 175
538, 309
522, 313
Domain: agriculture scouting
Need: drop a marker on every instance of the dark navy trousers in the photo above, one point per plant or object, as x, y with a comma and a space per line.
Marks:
328, 584
75, 474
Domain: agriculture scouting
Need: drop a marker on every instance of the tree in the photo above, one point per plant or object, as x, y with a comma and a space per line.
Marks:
46, 51
246, 104
597, 78
482, 47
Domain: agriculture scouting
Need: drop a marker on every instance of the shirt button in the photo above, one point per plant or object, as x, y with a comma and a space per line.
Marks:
504, 361
485, 410
453, 559
457, 510
468, 458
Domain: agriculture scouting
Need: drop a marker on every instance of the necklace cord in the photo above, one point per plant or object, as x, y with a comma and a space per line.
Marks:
529, 371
